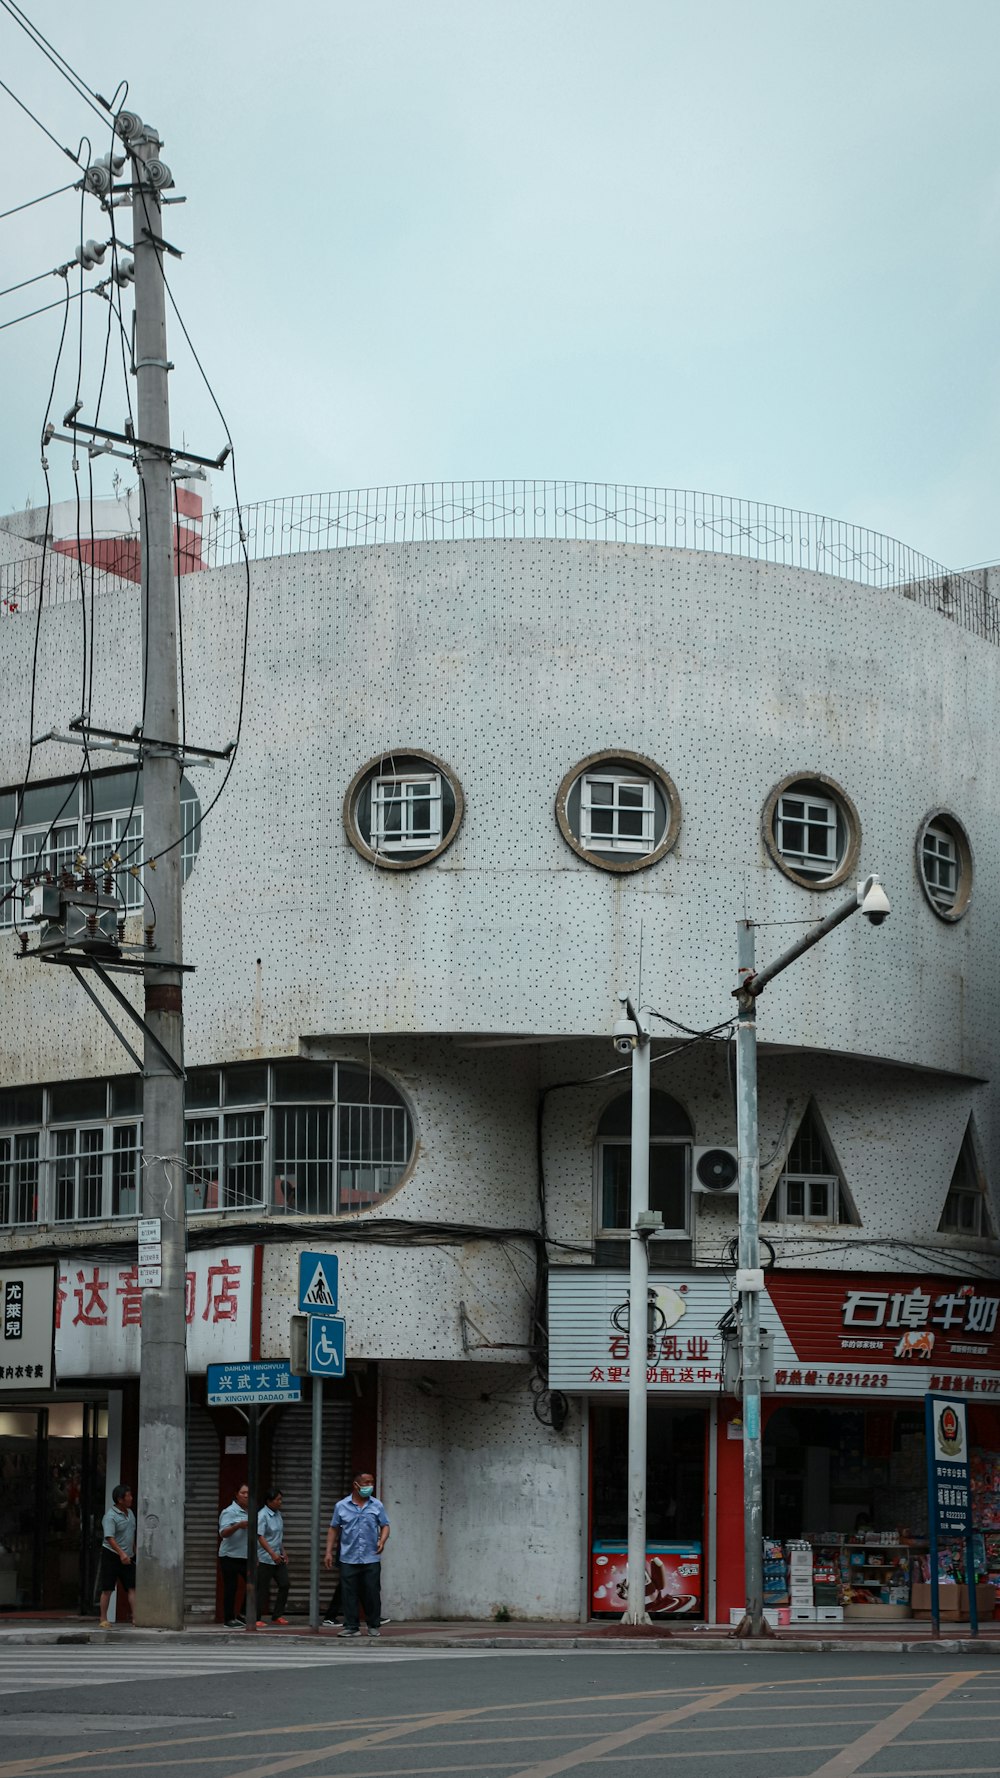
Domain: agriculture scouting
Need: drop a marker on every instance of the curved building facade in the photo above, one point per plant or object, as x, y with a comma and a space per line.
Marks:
484, 786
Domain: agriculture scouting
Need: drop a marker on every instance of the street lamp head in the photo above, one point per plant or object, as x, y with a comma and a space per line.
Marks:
873, 901
625, 1036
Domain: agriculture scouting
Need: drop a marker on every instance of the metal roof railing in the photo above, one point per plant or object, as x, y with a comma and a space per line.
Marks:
575, 511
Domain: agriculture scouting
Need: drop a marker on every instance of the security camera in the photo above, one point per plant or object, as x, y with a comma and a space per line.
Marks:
873, 901
626, 1036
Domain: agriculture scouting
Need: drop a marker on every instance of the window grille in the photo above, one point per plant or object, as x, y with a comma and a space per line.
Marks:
807, 833
101, 815
617, 813
406, 813
940, 866
19, 1178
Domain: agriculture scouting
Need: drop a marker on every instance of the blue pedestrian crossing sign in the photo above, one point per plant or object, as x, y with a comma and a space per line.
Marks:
318, 1285
327, 1345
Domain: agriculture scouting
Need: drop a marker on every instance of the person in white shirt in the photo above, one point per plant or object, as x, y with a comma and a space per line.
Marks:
233, 1553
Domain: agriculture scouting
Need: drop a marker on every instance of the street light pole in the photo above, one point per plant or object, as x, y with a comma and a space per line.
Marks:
749, 1268
638, 1319
871, 899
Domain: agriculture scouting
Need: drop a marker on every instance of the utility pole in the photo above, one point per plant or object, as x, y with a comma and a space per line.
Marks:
163, 1380
873, 902
631, 1035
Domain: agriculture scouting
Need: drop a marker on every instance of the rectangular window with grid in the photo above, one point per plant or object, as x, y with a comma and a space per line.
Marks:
406, 812
19, 1178
807, 832
617, 813
940, 859
78, 1175
96, 818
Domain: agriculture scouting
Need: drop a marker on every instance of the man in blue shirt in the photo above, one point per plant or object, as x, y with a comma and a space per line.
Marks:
271, 1558
359, 1532
233, 1553
118, 1550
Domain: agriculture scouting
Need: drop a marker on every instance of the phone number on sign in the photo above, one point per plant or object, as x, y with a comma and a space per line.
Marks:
831, 1379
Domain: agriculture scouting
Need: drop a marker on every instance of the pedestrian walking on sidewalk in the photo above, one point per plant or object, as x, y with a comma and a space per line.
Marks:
233, 1553
359, 1532
118, 1551
272, 1563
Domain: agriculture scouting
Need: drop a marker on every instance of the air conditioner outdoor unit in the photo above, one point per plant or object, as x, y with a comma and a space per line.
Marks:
715, 1172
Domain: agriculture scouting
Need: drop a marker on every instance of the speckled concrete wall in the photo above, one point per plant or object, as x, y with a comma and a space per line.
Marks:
511, 661
485, 1501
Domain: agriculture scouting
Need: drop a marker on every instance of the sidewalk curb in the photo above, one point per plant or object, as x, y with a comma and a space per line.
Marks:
664, 1644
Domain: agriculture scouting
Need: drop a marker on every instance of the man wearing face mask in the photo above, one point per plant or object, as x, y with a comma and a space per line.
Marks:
359, 1532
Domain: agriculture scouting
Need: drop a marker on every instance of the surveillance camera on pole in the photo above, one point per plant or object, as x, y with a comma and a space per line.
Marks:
626, 1036
871, 900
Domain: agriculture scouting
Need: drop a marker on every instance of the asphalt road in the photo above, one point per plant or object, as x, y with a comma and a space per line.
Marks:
189, 1711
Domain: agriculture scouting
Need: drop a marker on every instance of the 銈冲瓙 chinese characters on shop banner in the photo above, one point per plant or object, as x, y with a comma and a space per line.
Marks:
99, 1312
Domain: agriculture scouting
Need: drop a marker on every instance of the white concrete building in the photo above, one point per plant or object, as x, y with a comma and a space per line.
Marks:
486, 781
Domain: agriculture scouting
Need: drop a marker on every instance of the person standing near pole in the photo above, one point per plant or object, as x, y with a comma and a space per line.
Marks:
118, 1551
233, 1553
271, 1558
359, 1532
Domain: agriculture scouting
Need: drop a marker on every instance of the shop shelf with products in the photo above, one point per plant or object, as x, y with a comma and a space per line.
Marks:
876, 1576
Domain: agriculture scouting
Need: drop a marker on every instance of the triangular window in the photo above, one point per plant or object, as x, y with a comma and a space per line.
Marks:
966, 1208
811, 1187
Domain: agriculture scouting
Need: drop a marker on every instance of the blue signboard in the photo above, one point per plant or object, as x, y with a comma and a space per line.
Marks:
949, 1503
948, 1455
318, 1283
252, 1384
327, 1345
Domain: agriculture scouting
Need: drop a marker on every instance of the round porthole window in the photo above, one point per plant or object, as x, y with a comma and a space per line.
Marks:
944, 864
812, 831
403, 809
619, 811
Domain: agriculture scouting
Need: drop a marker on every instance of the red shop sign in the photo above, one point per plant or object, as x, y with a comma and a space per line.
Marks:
889, 1319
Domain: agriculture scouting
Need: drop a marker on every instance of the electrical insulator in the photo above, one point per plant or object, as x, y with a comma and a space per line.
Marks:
97, 179
157, 174
125, 270
89, 254
129, 125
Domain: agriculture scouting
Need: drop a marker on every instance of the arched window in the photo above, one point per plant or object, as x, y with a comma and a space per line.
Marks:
670, 1135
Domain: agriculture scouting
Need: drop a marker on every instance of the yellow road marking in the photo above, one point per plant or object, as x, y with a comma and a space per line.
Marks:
619, 1738
859, 1752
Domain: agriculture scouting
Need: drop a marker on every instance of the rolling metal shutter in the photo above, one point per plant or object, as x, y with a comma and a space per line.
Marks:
201, 1514
291, 1466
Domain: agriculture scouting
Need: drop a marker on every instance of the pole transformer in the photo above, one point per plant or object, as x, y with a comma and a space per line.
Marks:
162, 1386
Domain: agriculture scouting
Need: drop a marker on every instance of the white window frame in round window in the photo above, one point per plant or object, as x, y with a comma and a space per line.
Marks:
403, 809
619, 810
800, 814
945, 864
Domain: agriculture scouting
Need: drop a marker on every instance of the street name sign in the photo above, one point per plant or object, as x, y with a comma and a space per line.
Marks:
327, 1351
253, 1384
318, 1283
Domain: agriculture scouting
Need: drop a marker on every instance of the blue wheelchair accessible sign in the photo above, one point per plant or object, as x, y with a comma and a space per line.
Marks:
327, 1345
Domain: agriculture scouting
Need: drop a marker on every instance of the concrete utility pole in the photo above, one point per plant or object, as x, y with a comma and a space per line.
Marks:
874, 904
162, 1387
631, 1034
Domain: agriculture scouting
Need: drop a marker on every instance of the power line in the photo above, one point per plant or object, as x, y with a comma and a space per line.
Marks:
53, 272
42, 200
37, 120
51, 54
71, 296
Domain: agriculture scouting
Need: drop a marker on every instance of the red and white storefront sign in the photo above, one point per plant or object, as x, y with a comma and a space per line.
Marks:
99, 1312
888, 1333
880, 1334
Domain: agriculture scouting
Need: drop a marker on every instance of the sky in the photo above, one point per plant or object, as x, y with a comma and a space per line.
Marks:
746, 246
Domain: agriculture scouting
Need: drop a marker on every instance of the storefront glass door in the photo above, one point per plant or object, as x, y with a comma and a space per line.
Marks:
52, 1468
